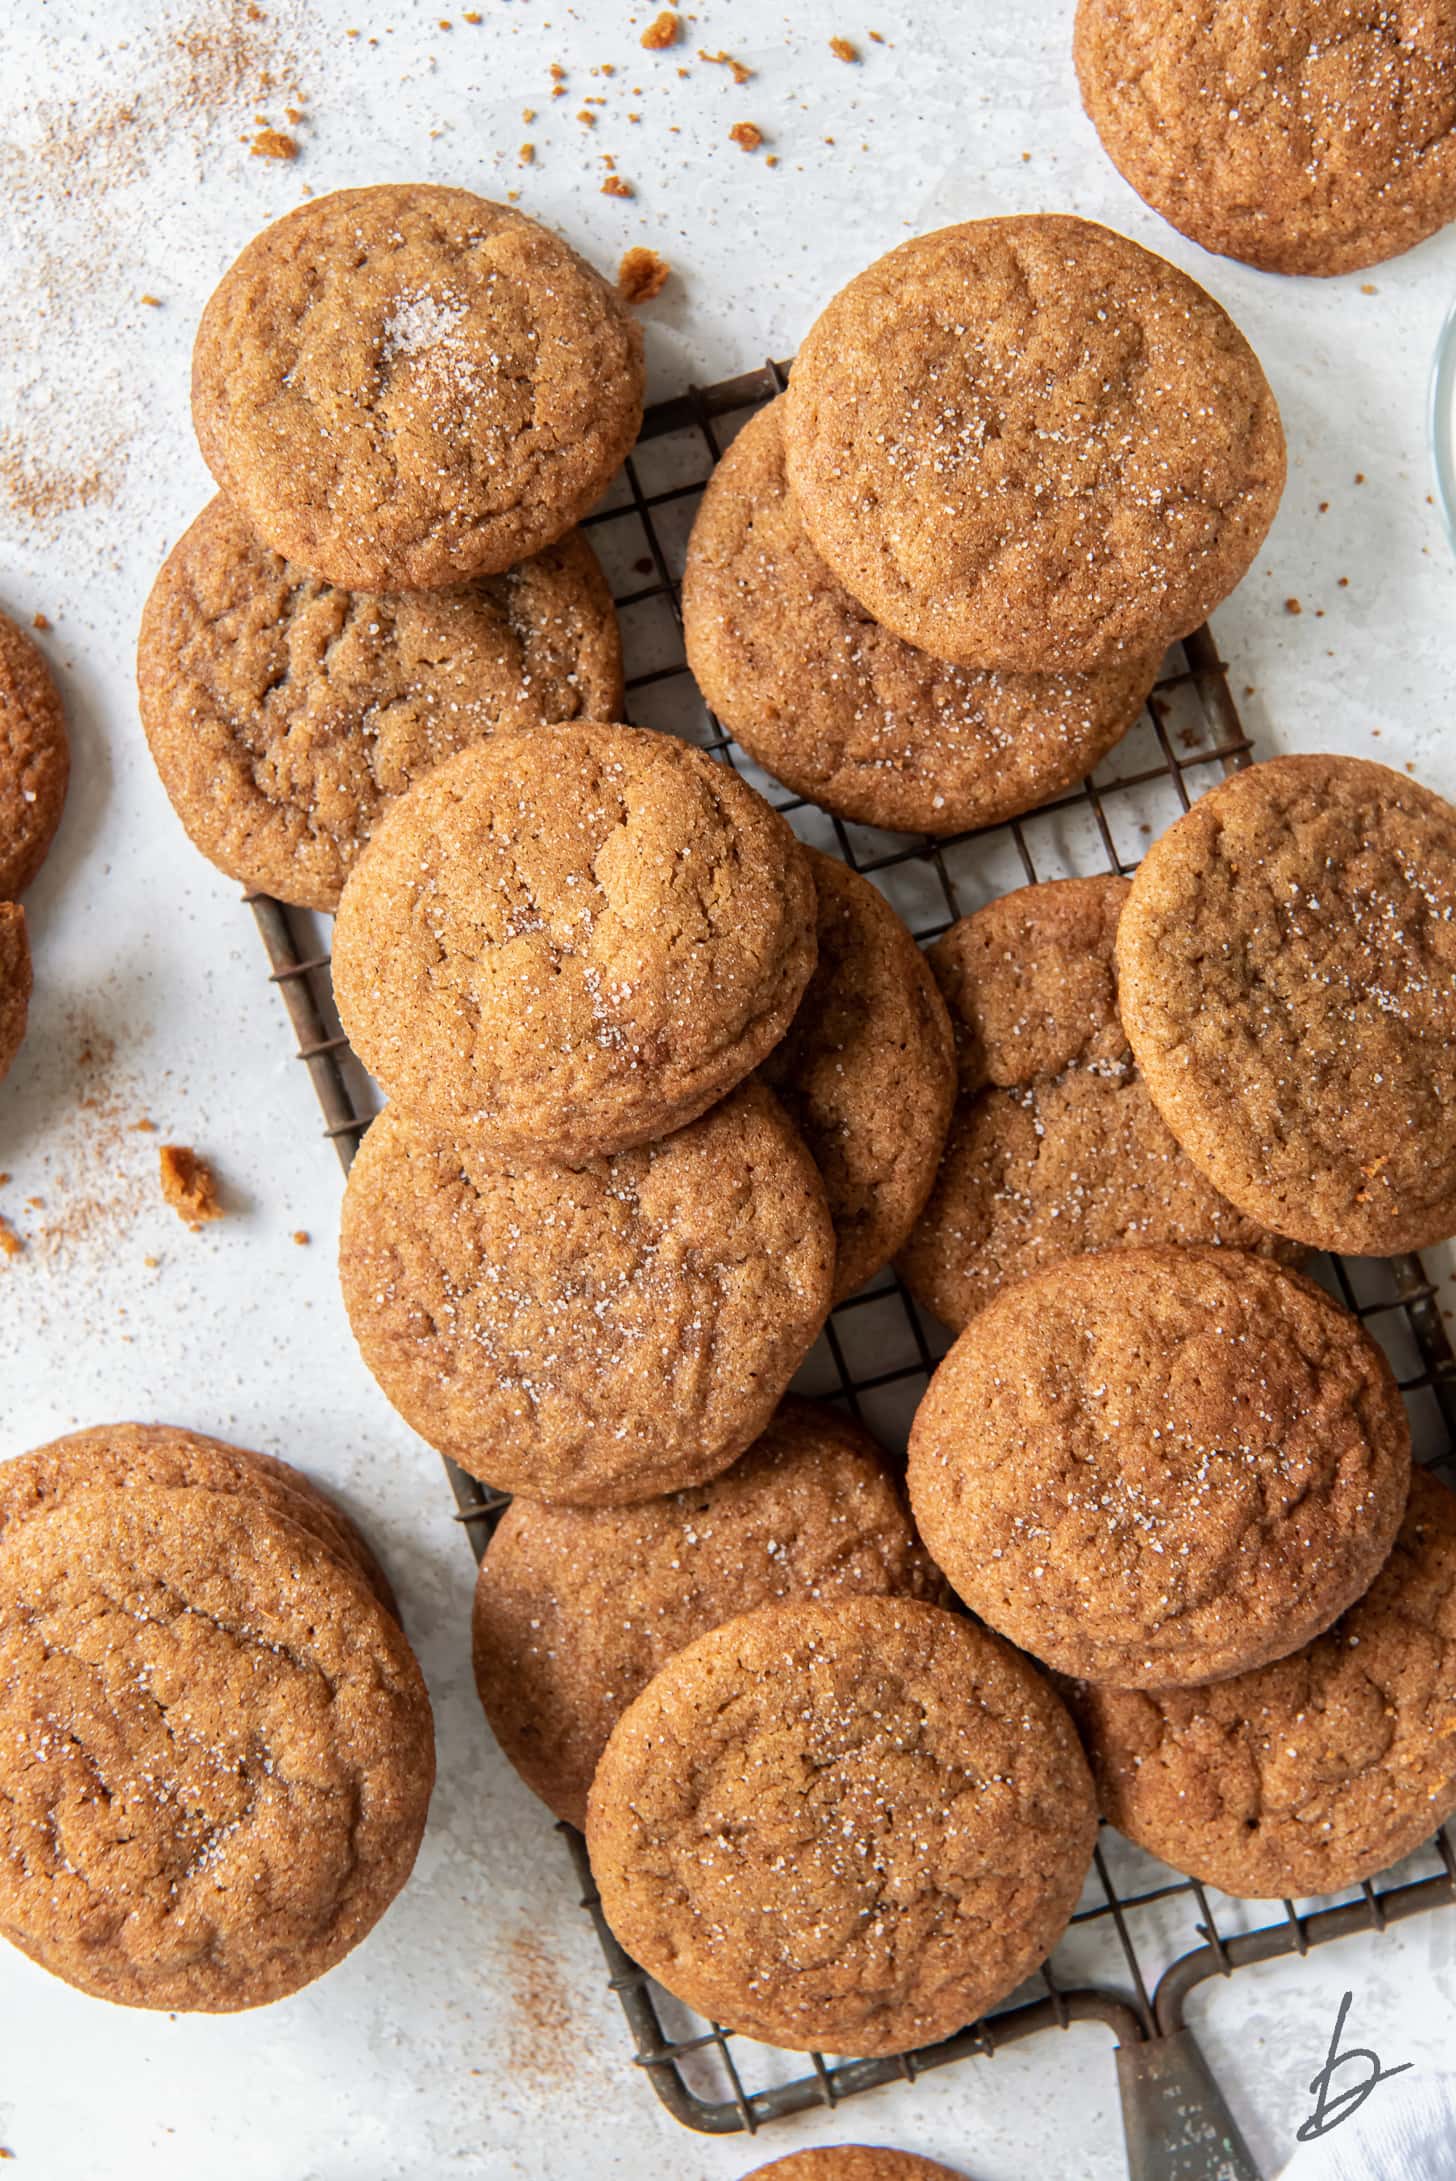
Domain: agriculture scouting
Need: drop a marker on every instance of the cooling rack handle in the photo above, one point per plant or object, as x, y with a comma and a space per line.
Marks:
1173, 2114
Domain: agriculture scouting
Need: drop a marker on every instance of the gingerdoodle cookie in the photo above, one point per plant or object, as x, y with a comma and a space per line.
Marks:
15, 981
35, 759
1287, 973
576, 1608
852, 2162
216, 1751
1312, 139
595, 1335
572, 941
1028, 443
850, 1826
1056, 1147
1316, 1772
283, 714
867, 1071
1155, 1467
125, 1455
844, 712
408, 386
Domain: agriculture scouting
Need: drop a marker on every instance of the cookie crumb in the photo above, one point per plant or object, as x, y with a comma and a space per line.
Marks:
151, 1263
663, 32
273, 144
472, 15
528, 114
614, 186
771, 159
39, 621
10, 1242
189, 1185
746, 134
877, 37
302, 1237
641, 275
527, 154
590, 120
146, 1126
153, 302
1359, 477
844, 49
740, 74
1292, 605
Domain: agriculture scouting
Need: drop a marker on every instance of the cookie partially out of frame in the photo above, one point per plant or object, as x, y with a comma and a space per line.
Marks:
852, 2162
35, 759
15, 982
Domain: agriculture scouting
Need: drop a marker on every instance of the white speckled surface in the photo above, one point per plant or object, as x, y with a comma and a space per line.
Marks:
472, 2034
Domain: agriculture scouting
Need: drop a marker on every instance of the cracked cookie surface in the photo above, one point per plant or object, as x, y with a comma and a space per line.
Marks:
1287, 973
216, 1751
15, 982
1154, 1467
1321, 1770
846, 713
124, 1455
409, 386
572, 941
283, 713
1028, 443
1055, 1147
1309, 139
35, 758
576, 1609
851, 1826
594, 1335
866, 1071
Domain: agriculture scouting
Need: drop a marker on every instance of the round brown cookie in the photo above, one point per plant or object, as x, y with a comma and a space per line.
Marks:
852, 2162
15, 981
1308, 139
283, 714
216, 1751
35, 758
844, 712
1287, 973
850, 1826
1316, 1772
1056, 1147
126, 1455
596, 1335
1154, 1467
867, 1072
1028, 443
408, 386
576, 1609
571, 941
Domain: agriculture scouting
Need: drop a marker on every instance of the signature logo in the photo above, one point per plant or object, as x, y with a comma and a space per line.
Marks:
1332, 2106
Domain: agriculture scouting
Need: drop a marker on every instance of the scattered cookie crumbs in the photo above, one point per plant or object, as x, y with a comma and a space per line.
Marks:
876, 37
39, 621
302, 1237
771, 159
472, 15
558, 90
663, 32
189, 1185
526, 154
273, 144
1324, 507
739, 73
1368, 287
556, 72
641, 275
829, 140
153, 302
614, 186
10, 1242
1359, 477
1292, 605
151, 1263
146, 1126
746, 135
293, 115
844, 49
608, 68
587, 120
528, 114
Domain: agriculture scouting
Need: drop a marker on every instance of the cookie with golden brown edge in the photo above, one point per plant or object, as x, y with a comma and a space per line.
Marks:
850, 1826
120, 1456
576, 1608
35, 758
1056, 1147
1156, 1467
594, 1335
1287, 978
408, 386
852, 2162
1316, 1772
216, 1750
844, 712
1027, 443
1309, 139
567, 942
15, 982
283, 714
867, 1072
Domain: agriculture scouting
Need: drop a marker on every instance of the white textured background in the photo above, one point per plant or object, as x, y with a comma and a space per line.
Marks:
472, 2033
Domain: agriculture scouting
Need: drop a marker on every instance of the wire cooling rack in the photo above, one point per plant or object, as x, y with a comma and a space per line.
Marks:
1143, 1937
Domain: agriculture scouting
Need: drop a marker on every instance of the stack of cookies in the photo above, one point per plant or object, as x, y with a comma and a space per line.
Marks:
408, 397
35, 767
216, 1750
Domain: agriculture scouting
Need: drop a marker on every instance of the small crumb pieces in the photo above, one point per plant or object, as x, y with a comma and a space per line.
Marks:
663, 32
472, 15
1368, 287
558, 90
528, 114
39, 621
556, 72
843, 49
614, 186
526, 154
587, 120
876, 37
293, 115
1324, 507
145, 1126
1359, 477
153, 302
771, 159
189, 1185
10, 1242
273, 144
641, 275
302, 1237
1292, 605
740, 74
746, 135
151, 1263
